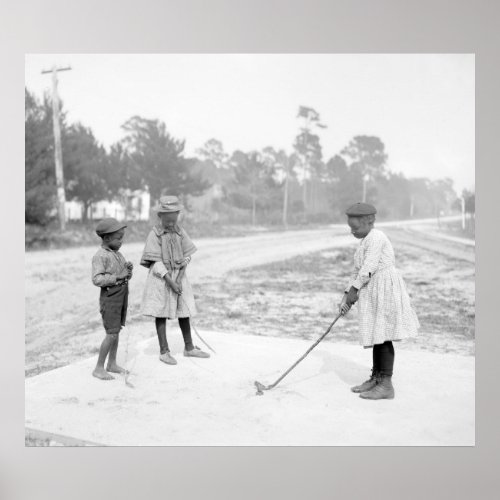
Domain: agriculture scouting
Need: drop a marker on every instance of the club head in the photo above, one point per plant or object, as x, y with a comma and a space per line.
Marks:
260, 388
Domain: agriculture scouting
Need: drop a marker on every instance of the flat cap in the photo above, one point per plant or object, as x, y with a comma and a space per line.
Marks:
359, 209
168, 204
109, 225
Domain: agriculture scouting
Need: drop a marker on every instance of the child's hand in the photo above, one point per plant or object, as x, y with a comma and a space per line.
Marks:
129, 265
179, 286
122, 276
352, 296
343, 307
183, 262
176, 288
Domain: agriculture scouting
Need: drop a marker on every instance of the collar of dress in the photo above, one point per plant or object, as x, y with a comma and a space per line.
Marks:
363, 240
161, 230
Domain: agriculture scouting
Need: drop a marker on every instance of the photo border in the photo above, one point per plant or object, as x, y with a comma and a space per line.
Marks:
258, 26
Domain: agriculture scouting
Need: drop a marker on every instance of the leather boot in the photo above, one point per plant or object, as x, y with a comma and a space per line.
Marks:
383, 389
368, 384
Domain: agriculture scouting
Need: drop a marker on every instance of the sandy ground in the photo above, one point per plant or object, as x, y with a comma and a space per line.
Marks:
288, 298
62, 303
213, 402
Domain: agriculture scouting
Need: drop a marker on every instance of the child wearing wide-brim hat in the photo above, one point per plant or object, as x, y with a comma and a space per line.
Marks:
111, 272
167, 292
385, 313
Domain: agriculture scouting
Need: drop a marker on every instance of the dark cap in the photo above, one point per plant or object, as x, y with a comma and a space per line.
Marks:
360, 209
108, 226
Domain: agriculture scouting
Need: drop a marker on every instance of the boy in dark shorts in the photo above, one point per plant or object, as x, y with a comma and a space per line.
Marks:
111, 272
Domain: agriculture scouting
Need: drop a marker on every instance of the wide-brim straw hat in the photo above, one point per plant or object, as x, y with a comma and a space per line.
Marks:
168, 204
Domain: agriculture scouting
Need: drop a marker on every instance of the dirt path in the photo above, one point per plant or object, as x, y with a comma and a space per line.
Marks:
62, 323
457, 248
61, 302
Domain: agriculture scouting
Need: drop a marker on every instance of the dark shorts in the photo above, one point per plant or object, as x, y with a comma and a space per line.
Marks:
113, 304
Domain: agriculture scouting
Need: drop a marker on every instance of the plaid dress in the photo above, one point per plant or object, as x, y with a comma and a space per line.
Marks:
385, 310
162, 251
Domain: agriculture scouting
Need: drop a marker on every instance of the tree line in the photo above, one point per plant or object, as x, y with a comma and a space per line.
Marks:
266, 186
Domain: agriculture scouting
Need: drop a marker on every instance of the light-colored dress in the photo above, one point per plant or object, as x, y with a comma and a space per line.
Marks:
385, 310
163, 248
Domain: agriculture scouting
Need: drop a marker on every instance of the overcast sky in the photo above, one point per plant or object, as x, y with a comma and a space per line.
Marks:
420, 105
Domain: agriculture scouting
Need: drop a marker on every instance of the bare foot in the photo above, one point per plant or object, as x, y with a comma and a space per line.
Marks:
116, 369
102, 374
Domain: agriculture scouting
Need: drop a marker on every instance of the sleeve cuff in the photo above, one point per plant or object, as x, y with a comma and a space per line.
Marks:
357, 284
160, 270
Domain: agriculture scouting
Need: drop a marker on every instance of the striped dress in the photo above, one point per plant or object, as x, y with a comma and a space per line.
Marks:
385, 310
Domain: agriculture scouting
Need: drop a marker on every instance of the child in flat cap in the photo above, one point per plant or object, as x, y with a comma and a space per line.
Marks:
111, 272
168, 293
385, 311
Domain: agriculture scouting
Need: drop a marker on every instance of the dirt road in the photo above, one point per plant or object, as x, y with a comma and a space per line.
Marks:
456, 248
63, 327
61, 302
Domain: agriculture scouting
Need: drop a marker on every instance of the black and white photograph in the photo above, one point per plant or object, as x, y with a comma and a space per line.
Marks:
250, 249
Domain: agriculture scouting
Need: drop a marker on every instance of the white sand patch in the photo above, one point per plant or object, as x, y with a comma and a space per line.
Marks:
212, 402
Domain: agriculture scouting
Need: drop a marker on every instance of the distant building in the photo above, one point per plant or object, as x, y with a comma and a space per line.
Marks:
136, 207
203, 205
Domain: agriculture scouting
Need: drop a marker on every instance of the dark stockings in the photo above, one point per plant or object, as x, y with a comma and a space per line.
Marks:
186, 333
161, 331
383, 358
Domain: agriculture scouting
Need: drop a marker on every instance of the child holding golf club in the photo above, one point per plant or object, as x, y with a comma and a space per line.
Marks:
167, 292
111, 272
384, 307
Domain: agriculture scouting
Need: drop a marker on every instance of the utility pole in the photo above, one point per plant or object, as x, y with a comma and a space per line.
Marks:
462, 199
366, 178
285, 198
61, 196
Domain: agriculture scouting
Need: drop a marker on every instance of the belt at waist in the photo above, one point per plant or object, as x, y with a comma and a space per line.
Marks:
123, 283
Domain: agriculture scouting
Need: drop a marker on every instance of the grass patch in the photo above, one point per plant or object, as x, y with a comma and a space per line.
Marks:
298, 298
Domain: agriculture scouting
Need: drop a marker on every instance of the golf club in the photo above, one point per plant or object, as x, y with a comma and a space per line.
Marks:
261, 387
